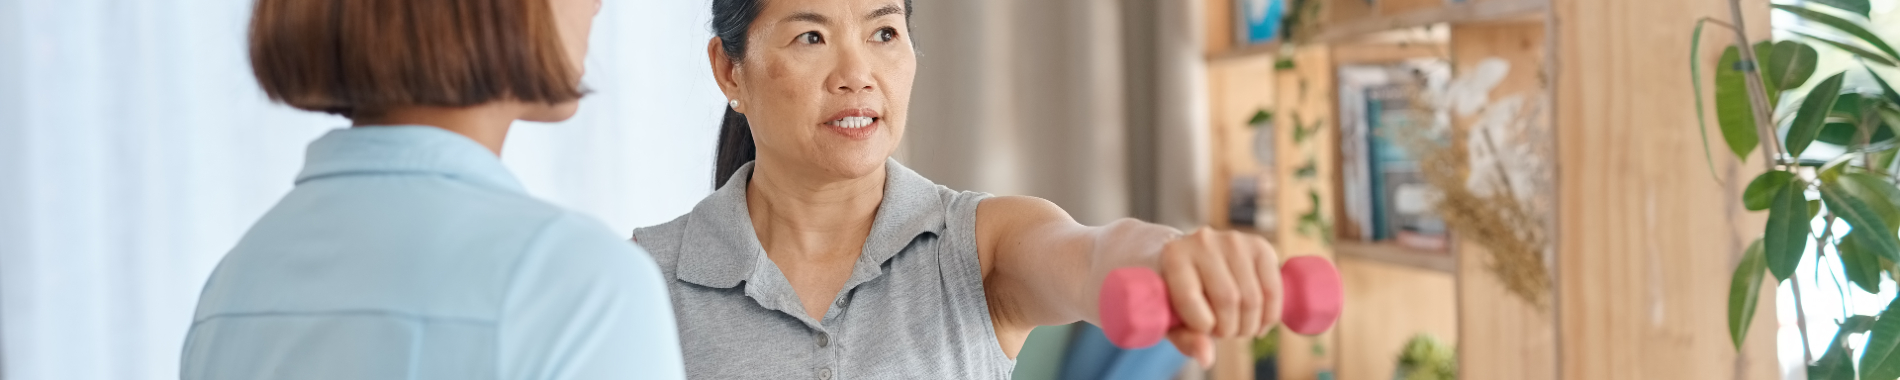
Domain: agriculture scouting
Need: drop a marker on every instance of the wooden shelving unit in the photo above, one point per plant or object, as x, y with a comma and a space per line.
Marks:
1383, 279
1643, 253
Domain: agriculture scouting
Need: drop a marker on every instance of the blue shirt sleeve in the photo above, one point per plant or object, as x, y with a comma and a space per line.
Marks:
586, 304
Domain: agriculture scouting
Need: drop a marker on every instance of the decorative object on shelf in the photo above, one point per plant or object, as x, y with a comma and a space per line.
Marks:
1853, 177
1243, 201
1427, 358
1384, 194
1493, 177
1266, 186
1259, 21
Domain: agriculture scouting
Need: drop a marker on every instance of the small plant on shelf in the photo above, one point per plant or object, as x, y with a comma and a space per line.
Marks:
1427, 358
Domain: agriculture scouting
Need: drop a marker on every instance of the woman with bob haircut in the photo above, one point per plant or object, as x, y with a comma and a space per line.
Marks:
406, 250
820, 257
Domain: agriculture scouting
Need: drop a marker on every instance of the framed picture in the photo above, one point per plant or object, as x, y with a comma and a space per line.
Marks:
1258, 21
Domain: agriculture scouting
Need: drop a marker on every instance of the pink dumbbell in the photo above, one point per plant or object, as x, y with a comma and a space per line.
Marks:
1136, 312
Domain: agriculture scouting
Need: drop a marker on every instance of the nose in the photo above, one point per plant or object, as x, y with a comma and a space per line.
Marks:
853, 73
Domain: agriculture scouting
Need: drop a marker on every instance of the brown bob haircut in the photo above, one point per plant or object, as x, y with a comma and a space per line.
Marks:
358, 58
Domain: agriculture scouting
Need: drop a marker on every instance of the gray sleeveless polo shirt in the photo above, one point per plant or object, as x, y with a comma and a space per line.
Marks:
912, 309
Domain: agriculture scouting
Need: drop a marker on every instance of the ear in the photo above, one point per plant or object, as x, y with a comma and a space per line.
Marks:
725, 71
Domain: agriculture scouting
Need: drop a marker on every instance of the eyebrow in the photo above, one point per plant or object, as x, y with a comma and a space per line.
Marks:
887, 10
809, 17
815, 18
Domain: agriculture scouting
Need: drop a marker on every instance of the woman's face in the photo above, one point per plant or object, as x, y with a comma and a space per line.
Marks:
574, 19
825, 84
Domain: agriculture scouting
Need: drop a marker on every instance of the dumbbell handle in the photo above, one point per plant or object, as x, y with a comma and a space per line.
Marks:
1136, 313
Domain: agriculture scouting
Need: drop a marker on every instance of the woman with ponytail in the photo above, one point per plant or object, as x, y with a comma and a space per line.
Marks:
820, 257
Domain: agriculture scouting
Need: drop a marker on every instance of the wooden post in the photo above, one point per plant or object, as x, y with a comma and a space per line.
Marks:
1646, 241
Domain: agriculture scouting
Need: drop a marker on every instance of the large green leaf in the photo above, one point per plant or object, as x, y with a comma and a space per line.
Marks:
1813, 113
1861, 265
1761, 191
1770, 80
1879, 359
1879, 194
1788, 64
1744, 292
1838, 362
1857, 212
1787, 234
1859, 7
1850, 48
1885, 89
1695, 79
1844, 133
1850, 110
1851, 27
1882, 160
1733, 113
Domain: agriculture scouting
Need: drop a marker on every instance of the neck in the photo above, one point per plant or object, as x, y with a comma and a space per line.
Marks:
805, 215
486, 124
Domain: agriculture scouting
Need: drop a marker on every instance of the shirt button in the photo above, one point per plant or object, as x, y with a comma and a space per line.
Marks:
824, 373
840, 302
824, 339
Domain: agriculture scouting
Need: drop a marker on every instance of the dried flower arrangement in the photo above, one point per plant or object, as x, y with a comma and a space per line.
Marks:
1490, 175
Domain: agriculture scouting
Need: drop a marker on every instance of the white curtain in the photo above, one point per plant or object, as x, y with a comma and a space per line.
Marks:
1098, 106
135, 149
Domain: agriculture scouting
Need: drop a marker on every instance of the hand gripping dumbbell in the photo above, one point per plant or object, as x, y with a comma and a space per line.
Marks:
1136, 312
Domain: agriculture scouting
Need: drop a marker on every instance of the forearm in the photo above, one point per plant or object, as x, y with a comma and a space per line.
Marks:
1053, 274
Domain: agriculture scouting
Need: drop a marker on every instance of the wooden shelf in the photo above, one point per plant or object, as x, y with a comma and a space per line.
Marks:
1471, 11
1246, 51
1393, 253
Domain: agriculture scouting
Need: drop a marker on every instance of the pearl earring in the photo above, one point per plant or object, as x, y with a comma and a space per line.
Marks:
733, 103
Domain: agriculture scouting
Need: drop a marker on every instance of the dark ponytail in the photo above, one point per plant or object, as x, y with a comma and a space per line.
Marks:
731, 21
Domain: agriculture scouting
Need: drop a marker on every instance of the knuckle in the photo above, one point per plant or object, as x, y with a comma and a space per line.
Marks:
1251, 301
1223, 299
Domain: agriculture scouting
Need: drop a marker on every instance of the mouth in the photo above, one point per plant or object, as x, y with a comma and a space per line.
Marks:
855, 124
852, 122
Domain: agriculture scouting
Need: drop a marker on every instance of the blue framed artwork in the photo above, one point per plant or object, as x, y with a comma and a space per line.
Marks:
1259, 20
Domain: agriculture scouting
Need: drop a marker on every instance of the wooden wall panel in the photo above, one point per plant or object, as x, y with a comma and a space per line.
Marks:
1647, 238
1240, 86
1385, 305
1503, 336
1308, 92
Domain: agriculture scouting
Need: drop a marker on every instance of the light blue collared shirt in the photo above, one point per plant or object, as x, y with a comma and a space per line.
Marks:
412, 253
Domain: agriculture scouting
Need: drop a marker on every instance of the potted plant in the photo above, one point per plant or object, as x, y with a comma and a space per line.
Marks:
1850, 190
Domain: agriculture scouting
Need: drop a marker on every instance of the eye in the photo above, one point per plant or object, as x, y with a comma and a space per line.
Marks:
811, 38
884, 35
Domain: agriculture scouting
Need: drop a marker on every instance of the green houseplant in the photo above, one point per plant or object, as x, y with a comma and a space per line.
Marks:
1849, 189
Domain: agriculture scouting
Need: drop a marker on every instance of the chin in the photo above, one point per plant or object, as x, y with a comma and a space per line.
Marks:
857, 165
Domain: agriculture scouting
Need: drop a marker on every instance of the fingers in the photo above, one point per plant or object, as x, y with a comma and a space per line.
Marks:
1241, 255
1272, 289
1195, 345
1217, 282
1224, 284
1184, 286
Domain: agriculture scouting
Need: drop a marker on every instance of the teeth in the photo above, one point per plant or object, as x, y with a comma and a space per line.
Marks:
853, 122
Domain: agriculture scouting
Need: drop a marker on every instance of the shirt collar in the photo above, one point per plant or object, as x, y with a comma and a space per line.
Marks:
419, 150
721, 248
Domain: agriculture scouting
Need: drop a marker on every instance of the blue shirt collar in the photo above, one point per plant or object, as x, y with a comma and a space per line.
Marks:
413, 150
